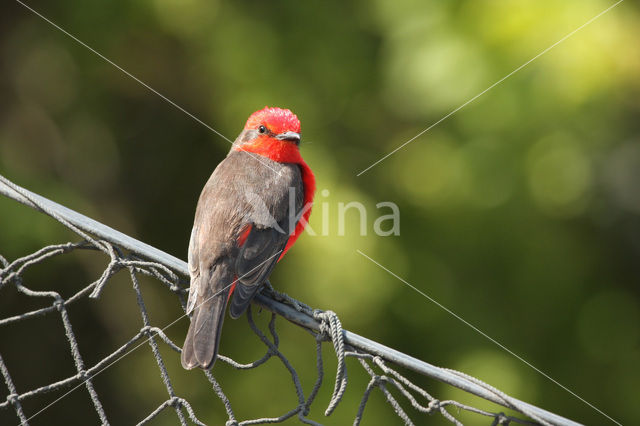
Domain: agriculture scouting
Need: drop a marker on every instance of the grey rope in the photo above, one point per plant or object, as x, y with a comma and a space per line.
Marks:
330, 326
12, 398
146, 330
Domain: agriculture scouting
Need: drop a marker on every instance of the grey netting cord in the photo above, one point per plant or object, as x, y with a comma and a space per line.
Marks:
136, 258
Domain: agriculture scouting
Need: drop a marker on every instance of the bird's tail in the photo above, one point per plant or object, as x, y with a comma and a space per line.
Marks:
201, 344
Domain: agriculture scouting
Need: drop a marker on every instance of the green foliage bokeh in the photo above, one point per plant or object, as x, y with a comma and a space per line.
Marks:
520, 212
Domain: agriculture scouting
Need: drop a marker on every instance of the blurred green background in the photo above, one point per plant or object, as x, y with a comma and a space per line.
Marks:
520, 212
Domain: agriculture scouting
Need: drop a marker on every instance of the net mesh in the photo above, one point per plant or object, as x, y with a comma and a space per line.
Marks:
405, 398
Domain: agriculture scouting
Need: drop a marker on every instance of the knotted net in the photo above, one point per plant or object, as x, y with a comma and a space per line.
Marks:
408, 400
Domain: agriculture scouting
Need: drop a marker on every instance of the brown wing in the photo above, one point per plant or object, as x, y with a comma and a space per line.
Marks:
258, 257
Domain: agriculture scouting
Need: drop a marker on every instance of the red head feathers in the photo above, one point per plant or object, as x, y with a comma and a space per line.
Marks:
273, 133
277, 120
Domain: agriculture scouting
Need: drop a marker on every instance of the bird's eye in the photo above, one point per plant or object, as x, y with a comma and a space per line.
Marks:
262, 129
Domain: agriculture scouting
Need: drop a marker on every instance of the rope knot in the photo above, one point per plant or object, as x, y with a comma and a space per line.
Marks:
231, 422
304, 409
176, 402
84, 375
146, 330
318, 314
69, 246
117, 263
12, 398
501, 419
324, 334
59, 304
434, 405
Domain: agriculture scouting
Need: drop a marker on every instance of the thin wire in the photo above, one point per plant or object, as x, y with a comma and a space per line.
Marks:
490, 87
491, 339
145, 341
255, 156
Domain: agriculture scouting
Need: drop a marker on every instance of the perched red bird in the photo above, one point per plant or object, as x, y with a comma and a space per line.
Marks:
250, 212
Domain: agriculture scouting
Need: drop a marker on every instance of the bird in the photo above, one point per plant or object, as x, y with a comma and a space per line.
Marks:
250, 212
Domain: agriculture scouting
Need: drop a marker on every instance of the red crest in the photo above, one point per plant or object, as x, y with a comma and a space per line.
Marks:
277, 120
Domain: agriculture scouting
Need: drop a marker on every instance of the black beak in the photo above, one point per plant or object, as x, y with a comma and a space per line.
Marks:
289, 136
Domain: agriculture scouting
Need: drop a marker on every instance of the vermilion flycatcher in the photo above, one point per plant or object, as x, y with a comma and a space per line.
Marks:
251, 211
